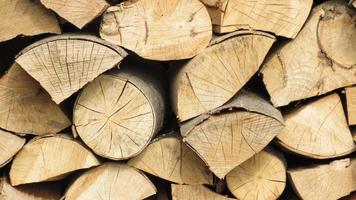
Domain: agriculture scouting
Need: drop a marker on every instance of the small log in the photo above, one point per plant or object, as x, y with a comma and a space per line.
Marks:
317, 130
284, 18
9, 145
320, 59
49, 158
118, 114
77, 12
169, 158
233, 133
196, 192
64, 64
263, 175
39, 191
351, 104
111, 181
158, 29
352, 3
25, 108
215, 75
25, 17
325, 181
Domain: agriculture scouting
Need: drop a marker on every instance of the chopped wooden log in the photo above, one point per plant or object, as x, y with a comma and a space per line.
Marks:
25, 17
64, 64
325, 181
233, 133
261, 176
111, 181
158, 29
39, 191
169, 158
352, 3
320, 59
284, 18
9, 145
317, 129
118, 114
49, 158
196, 192
25, 108
351, 104
79, 12
215, 75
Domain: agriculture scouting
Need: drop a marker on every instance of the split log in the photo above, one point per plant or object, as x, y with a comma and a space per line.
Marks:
351, 104
9, 145
169, 158
352, 3
215, 75
326, 181
233, 133
25, 17
25, 108
317, 129
158, 29
111, 181
38, 191
118, 114
284, 18
49, 158
196, 192
320, 59
79, 12
63, 64
263, 175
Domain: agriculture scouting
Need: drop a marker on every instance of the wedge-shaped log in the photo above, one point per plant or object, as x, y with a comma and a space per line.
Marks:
39, 191
49, 158
233, 133
211, 78
196, 192
26, 108
263, 175
320, 59
325, 181
159, 29
284, 18
118, 114
317, 129
351, 104
169, 158
111, 181
79, 12
25, 17
64, 64
9, 145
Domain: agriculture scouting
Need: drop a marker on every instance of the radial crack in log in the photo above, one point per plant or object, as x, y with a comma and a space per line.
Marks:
320, 59
326, 181
284, 18
25, 107
196, 192
233, 133
118, 114
111, 181
78, 12
49, 158
168, 158
263, 176
25, 17
215, 75
317, 129
159, 29
64, 64
9, 145
351, 104
39, 191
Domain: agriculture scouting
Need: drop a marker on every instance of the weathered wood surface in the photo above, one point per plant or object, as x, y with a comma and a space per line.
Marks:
351, 104
196, 192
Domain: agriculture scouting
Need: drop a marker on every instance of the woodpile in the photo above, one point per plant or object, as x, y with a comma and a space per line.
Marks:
177, 100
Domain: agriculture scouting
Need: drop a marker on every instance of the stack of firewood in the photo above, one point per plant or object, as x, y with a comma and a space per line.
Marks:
177, 99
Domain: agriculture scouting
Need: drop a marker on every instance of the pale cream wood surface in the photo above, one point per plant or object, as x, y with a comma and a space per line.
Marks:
195, 192
10, 144
351, 104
